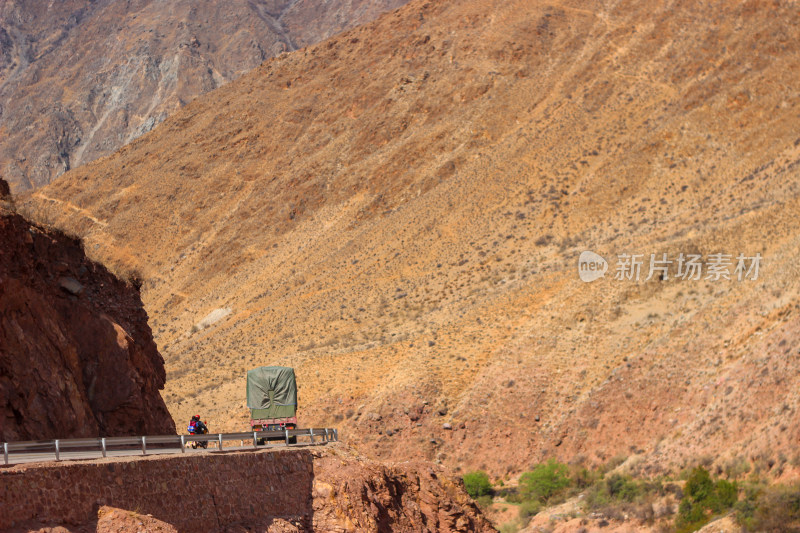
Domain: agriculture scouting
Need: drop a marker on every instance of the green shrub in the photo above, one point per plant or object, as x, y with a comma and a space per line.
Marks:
727, 493
775, 508
477, 484
484, 502
545, 481
597, 497
746, 507
703, 498
529, 509
583, 478
510, 494
737, 468
616, 490
623, 488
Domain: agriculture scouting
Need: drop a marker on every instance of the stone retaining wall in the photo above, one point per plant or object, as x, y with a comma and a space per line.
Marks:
193, 493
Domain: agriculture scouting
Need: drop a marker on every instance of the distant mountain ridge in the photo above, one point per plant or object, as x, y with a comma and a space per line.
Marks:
79, 78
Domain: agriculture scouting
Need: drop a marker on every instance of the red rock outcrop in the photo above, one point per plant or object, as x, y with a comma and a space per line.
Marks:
77, 357
410, 496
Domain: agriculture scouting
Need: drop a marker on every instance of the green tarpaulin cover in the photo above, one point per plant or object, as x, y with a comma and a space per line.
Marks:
271, 392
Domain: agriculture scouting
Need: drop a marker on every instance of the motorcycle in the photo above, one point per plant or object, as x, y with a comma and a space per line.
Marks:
202, 431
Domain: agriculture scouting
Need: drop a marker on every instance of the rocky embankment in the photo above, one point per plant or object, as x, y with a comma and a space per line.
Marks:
328, 490
77, 357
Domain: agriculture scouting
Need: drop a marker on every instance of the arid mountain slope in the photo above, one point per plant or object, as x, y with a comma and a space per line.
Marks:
77, 357
398, 212
79, 78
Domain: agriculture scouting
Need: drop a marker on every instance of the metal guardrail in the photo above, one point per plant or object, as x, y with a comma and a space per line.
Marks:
161, 442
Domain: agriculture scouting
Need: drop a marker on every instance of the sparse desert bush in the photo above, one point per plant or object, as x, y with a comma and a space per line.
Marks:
545, 482
703, 499
477, 484
511, 527
624, 488
484, 502
620, 496
774, 508
510, 494
583, 478
737, 467
746, 507
617, 495
613, 463
528, 510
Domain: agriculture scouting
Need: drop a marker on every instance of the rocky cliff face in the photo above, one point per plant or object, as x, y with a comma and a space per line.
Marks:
353, 494
79, 79
77, 357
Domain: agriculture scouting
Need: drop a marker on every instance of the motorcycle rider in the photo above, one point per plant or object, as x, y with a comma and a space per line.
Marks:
197, 427
193, 425
200, 425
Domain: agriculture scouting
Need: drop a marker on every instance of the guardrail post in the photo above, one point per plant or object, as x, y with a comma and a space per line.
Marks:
144, 445
311, 432
220, 441
255, 440
58, 452
5, 452
336, 434
287, 436
183, 443
326, 435
103, 445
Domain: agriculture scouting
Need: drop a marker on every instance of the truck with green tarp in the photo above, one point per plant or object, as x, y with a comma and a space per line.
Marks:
272, 398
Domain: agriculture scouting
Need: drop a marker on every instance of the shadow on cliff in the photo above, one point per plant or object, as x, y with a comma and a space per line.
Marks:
77, 356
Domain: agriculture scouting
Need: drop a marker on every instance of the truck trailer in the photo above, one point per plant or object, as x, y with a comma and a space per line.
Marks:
272, 398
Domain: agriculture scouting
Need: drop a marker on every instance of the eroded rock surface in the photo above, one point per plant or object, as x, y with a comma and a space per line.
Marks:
77, 357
